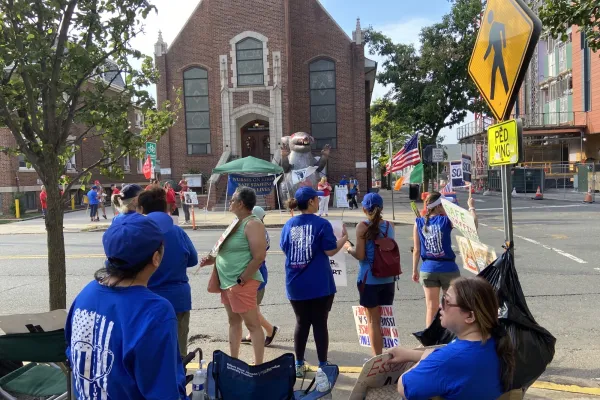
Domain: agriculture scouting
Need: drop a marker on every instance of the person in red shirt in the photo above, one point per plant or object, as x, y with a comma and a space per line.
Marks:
114, 190
324, 187
44, 201
171, 201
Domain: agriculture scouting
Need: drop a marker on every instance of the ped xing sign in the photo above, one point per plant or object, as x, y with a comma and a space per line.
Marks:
505, 143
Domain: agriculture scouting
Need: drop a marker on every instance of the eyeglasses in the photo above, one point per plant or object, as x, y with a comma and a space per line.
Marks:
446, 303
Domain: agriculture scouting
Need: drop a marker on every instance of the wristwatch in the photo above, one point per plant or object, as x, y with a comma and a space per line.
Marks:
240, 281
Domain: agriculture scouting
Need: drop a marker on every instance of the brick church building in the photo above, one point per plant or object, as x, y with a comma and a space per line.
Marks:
252, 73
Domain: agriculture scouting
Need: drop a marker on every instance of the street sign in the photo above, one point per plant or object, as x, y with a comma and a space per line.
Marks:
438, 155
505, 143
506, 41
151, 151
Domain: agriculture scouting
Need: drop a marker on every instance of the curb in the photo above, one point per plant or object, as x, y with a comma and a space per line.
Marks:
523, 196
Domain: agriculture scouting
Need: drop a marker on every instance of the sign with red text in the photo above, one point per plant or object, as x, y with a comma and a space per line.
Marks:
461, 220
475, 256
388, 326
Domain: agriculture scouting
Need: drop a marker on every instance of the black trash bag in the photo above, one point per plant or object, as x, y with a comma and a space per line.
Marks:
534, 345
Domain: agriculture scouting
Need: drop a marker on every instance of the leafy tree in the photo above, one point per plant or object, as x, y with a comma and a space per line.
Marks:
558, 15
382, 128
431, 87
54, 94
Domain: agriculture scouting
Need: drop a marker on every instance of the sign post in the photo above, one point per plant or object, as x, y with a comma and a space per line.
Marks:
151, 152
505, 43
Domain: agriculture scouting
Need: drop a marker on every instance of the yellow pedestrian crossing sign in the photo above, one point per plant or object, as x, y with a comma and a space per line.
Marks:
506, 41
505, 143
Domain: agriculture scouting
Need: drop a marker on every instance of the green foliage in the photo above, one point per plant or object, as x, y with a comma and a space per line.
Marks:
61, 60
431, 88
383, 126
558, 15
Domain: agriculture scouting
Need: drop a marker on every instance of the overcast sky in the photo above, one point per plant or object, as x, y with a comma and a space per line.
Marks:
401, 20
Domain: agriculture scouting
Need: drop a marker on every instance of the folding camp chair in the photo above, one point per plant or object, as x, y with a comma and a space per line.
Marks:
233, 379
332, 372
48, 374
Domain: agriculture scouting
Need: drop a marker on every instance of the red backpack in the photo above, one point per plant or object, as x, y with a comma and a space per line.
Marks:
387, 257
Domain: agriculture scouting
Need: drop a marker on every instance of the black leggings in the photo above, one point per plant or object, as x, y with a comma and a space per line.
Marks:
313, 312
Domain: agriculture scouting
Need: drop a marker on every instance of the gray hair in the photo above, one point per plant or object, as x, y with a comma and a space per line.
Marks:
247, 196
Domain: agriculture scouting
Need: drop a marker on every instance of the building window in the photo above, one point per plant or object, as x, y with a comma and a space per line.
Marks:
23, 164
249, 62
197, 121
323, 116
126, 164
71, 162
140, 166
139, 119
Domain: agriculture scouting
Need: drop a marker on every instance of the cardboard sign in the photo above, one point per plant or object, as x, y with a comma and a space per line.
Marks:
461, 220
388, 326
456, 174
190, 198
340, 196
475, 256
466, 168
338, 262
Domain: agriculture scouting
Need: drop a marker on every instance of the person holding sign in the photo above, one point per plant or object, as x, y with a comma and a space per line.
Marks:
432, 235
308, 241
373, 291
237, 262
478, 364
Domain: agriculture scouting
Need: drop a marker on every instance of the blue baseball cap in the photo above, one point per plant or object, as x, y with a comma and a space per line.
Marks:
133, 240
305, 193
372, 200
130, 191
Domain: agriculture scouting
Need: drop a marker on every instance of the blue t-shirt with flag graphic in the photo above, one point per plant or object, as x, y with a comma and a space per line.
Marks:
304, 240
436, 244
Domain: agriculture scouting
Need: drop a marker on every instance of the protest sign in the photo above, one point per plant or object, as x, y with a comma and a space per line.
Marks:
466, 168
227, 232
461, 220
456, 174
299, 175
476, 256
338, 261
341, 196
262, 185
388, 326
190, 198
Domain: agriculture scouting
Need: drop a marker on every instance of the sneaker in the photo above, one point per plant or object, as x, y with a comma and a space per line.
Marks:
104, 216
301, 370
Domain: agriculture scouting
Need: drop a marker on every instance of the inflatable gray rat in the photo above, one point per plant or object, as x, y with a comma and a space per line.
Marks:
294, 156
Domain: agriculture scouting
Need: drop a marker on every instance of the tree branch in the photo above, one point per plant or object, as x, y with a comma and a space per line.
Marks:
94, 165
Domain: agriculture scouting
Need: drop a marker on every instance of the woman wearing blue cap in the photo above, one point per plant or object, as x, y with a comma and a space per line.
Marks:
121, 337
308, 241
373, 291
126, 200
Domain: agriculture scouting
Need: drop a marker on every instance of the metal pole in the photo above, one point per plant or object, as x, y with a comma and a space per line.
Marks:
437, 175
391, 182
507, 205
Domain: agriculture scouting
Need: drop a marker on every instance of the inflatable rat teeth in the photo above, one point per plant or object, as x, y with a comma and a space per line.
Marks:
295, 156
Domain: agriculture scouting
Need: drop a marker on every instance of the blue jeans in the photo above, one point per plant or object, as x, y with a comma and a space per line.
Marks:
93, 210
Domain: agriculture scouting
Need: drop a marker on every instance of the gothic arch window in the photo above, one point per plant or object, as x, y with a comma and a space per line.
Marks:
323, 115
197, 116
249, 62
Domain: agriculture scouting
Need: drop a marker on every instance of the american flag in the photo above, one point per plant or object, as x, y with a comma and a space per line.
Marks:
407, 156
447, 189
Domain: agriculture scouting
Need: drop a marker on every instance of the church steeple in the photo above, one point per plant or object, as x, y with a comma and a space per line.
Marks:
160, 47
357, 35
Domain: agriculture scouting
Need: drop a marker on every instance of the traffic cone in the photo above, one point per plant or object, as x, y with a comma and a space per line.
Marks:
588, 198
538, 195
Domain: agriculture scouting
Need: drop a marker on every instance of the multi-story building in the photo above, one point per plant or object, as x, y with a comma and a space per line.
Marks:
560, 109
252, 74
19, 177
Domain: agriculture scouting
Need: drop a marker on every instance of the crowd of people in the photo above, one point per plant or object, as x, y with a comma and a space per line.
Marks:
128, 329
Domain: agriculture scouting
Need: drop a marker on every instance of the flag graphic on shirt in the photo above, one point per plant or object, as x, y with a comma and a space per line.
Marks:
406, 157
301, 238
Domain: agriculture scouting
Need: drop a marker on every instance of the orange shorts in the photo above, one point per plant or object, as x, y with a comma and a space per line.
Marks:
241, 299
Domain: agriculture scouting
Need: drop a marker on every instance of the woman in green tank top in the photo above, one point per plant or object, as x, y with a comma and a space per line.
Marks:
238, 262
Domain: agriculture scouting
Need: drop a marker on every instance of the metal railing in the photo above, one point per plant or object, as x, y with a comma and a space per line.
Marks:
474, 128
559, 118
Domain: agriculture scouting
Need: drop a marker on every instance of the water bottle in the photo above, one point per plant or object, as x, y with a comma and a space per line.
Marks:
199, 383
322, 381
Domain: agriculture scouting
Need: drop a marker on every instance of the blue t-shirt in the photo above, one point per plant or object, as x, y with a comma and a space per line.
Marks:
170, 280
122, 344
92, 197
343, 182
462, 370
436, 245
263, 266
308, 274
364, 266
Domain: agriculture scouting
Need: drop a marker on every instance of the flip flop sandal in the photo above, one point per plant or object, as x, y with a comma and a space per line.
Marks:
245, 340
269, 339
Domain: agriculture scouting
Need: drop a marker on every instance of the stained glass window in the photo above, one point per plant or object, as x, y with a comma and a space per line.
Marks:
323, 115
249, 59
197, 115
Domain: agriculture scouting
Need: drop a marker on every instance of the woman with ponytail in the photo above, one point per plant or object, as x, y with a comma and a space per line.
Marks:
373, 291
432, 237
478, 364
126, 201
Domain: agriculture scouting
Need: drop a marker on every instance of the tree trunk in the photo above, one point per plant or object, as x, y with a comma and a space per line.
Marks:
57, 274
426, 185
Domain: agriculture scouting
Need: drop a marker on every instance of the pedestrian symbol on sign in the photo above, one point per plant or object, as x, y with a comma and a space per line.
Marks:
497, 42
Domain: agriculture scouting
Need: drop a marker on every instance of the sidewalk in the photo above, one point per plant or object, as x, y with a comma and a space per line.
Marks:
79, 221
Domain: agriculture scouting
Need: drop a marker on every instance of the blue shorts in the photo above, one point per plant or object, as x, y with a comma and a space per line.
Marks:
376, 295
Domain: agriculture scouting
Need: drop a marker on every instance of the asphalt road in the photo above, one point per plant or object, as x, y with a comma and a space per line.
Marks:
556, 255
